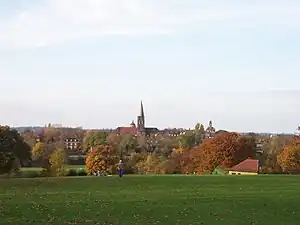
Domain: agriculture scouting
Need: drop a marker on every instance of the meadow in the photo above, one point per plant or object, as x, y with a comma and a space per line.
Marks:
146, 200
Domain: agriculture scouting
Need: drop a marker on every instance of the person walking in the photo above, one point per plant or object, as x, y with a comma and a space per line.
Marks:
121, 168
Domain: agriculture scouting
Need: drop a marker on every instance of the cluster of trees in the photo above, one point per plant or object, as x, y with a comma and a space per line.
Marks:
224, 150
190, 152
281, 154
52, 159
14, 151
17, 150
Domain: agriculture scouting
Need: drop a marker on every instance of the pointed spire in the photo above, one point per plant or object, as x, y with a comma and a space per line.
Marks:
142, 111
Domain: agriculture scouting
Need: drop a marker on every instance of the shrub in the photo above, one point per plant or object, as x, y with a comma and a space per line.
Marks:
82, 173
30, 174
72, 172
46, 173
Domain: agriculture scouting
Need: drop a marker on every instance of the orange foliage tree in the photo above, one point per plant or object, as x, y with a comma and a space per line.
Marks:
180, 161
102, 159
289, 159
224, 150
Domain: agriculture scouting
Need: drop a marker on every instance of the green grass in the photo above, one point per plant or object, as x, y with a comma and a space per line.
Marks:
142, 200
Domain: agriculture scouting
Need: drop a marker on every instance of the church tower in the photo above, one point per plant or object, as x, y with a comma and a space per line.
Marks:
141, 120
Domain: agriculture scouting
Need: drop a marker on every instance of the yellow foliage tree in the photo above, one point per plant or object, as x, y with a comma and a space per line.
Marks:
289, 159
58, 161
151, 165
38, 150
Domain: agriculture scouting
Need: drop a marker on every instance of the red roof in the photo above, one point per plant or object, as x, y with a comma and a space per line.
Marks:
248, 165
127, 130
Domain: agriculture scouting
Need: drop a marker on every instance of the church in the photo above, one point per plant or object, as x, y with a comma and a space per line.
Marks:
140, 128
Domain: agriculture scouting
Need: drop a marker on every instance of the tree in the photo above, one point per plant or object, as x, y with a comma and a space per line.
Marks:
187, 140
38, 150
132, 162
93, 139
127, 145
199, 133
12, 148
180, 161
165, 145
289, 159
147, 144
225, 150
41, 153
29, 137
58, 161
271, 147
151, 165
102, 159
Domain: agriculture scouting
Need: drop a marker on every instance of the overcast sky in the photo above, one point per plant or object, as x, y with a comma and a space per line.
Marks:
91, 62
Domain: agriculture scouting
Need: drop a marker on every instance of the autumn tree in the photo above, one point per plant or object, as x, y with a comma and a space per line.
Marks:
93, 139
58, 160
271, 148
199, 133
12, 148
127, 145
147, 144
29, 137
180, 161
151, 165
225, 150
289, 159
102, 159
38, 150
41, 153
187, 140
165, 145
133, 161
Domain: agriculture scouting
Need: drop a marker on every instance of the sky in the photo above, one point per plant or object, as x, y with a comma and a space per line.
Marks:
90, 62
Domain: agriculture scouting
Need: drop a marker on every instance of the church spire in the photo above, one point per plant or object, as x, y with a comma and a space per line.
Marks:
141, 120
142, 111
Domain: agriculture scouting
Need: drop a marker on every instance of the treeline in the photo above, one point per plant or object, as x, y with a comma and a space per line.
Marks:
190, 152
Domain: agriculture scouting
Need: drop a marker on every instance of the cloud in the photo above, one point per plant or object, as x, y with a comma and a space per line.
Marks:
57, 21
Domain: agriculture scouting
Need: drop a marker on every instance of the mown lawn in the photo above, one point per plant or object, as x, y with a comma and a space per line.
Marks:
170, 200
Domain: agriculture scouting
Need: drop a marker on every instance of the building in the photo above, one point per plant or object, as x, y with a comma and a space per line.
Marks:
246, 167
140, 128
210, 130
72, 143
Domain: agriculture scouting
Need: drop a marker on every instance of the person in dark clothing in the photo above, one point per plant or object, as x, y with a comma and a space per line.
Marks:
121, 168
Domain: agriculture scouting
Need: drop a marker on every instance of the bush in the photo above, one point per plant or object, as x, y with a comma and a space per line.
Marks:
30, 174
82, 173
71, 173
45, 173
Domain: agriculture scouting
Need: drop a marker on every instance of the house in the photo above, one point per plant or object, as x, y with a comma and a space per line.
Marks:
246, 167
72, 143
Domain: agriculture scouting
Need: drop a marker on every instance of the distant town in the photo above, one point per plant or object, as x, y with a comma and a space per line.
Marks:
138, 128
172, 150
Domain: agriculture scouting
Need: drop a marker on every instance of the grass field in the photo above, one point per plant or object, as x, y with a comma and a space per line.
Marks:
142, 200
